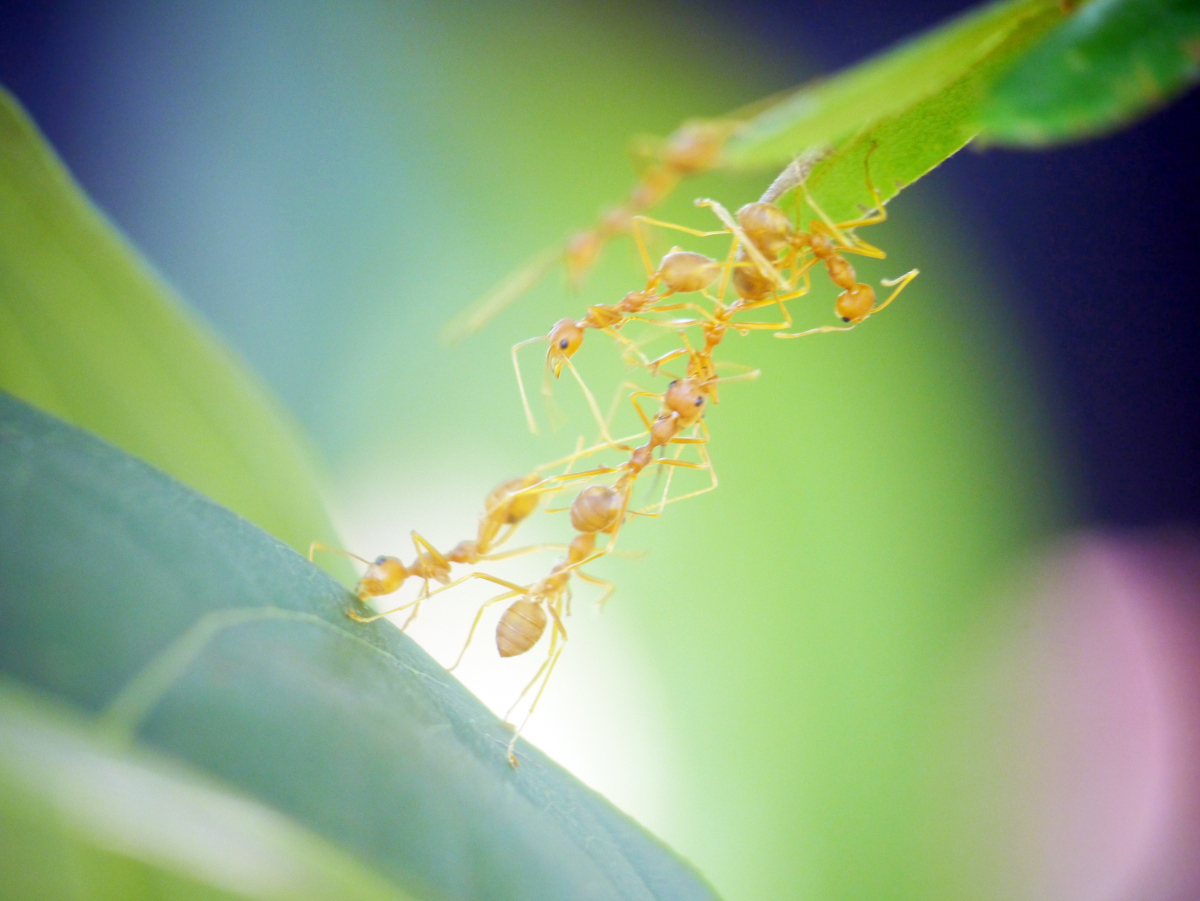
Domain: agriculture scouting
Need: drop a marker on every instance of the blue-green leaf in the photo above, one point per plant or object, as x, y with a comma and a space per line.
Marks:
182, 628
1111, 63
90, 333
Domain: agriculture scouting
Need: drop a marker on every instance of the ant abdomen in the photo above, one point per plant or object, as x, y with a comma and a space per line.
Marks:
767, 226
684, 271
506, 505
520, 627
596, 509
748, 281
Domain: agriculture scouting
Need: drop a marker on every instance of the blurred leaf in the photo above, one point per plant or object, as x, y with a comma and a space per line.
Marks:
80, 818
918, 103
90, 333
185, 629
1111, 63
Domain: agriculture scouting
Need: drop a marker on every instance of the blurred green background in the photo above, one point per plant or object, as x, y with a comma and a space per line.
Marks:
777, 688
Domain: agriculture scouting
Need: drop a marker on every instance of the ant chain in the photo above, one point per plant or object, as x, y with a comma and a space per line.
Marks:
769, 262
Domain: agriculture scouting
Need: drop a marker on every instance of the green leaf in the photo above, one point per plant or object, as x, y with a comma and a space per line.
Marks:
180, 627
1111, 63
90, 333
80, 818
917, 105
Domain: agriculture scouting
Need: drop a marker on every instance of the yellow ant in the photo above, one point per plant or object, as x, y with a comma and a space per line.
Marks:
678, 272
693, 148
505, 508
770, 230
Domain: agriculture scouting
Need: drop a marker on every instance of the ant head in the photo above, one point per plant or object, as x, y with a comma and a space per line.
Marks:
694, 147
686, 397
565, 338
855, 304
383, 576
766, 225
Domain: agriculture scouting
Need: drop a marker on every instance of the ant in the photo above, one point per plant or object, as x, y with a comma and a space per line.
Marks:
693, 148
524, 621
770, 230
505, 507
679, 272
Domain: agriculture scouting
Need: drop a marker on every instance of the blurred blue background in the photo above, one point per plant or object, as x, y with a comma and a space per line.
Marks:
802, 685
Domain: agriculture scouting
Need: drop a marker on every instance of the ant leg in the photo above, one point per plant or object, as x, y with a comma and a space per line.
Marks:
642, 413
727, 269
900, 284
478, 616
548, 667
566, 471
621, 444
370, 619
616, 401
743, 377
706, 463
416, 606
662, 501
521, 384
667, 358
632, 349
554, 413
609, 587
671, 323
816, 331
318, 546
640, 241
522, 551
441, 573
880, 215
846, 243
679, 228
591, 400
829, 223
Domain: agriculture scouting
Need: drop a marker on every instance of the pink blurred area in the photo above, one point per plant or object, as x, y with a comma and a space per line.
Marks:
1102, 681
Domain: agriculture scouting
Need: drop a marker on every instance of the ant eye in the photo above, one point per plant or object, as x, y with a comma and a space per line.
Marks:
674, 382
379, 561
564, 343
699, 401
845, 319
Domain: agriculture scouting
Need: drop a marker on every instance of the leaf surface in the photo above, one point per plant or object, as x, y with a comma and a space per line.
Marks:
183, 628
82, 818
89, 332
917, 104
1111, 63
